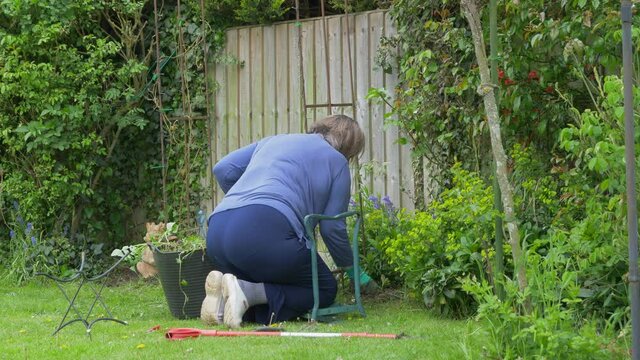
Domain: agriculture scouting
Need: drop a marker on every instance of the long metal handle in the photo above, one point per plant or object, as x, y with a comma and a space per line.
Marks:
632, 210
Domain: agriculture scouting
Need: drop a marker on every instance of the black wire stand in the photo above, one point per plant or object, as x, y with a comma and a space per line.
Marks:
96, 289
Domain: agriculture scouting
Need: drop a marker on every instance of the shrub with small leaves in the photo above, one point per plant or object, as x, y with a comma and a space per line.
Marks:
446, 244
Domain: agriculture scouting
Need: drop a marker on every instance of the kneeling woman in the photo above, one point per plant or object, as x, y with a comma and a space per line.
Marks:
256, 235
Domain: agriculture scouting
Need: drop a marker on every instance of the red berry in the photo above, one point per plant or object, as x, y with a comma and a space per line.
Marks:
508, 81
533, 75
549, 90
500, 74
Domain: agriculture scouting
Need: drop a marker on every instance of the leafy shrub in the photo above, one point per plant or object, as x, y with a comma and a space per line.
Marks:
233, 12
552, 327
69, 120
577, 261
447, 243
536, 191
30, 250
382, 220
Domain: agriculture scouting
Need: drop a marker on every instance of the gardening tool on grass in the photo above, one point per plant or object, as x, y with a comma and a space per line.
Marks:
184, 333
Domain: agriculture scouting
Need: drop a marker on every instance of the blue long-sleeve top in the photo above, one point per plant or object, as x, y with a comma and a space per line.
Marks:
296, 174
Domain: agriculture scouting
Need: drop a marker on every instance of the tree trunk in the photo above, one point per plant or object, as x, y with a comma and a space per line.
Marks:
417, 163
486, 90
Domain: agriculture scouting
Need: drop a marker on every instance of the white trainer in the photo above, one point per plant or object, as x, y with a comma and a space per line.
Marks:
213, 304
236, 303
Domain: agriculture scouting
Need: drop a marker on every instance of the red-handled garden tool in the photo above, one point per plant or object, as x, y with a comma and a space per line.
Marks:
183, 333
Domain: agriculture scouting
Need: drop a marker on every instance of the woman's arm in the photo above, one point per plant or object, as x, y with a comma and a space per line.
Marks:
334, 232
231, 167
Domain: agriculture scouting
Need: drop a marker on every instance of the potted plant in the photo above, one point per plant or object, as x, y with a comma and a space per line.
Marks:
183, 266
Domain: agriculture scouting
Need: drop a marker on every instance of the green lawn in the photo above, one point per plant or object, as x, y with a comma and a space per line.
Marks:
30, 313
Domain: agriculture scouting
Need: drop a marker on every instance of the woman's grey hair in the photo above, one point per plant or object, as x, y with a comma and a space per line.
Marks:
342, 132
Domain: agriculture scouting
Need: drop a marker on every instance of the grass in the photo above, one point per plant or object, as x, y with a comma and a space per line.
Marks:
31, 312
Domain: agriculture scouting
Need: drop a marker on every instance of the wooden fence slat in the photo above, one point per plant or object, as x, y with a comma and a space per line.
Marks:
270, 88
283, 65
295, 95
393, 151
348, 31
335, 64
308, 63
320, 73
362, 84
244, 82
256, 84
375, 28
232, 93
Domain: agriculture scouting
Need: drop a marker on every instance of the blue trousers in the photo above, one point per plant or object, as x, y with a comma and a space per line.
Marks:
256, 243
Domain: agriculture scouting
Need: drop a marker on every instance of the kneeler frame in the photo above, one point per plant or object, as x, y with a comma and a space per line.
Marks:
309, 224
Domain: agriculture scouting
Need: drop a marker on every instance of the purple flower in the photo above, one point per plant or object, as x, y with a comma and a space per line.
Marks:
12, 234
387, 202
20, 220
374, 201
16, 206
352, 203
33, 240
28, 229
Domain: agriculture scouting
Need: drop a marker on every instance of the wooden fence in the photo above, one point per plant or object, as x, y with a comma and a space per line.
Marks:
260, 92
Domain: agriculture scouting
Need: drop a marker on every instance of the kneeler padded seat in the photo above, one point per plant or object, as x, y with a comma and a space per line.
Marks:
310, 222
84, 279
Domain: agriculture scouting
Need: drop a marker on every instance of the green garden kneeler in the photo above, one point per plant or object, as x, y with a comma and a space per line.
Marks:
310, 222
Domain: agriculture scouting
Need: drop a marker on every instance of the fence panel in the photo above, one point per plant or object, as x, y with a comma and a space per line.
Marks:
261, 95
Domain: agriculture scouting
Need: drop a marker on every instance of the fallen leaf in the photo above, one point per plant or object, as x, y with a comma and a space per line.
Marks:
155, 328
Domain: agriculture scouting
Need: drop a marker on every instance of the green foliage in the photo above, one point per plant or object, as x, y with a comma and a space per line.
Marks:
577, 261
447, 243
68, 110
242, 12
544, 52
554, 328
435, 104
177, 238
578, 297
595, 143
185, 135
174, 238
359, 5
30, 250
381, 221
536, 192
595, 181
